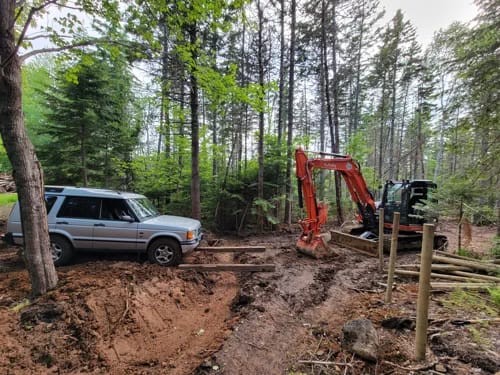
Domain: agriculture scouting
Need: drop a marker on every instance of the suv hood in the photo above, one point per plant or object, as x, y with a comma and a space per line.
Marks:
171, 221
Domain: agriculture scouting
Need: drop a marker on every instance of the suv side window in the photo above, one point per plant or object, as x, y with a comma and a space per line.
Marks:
114, 209
49, 202
80, 208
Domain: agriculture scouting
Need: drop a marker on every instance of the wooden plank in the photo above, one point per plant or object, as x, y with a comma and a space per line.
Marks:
229, 267
231, 249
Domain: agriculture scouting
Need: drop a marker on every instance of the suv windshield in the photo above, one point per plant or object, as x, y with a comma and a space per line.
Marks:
143, 208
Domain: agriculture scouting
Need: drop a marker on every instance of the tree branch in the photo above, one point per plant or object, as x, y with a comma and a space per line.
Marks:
32, 12
83, 43
58, 49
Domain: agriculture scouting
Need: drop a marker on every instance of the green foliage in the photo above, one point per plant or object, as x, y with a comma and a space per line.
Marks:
466, 253
36, 80
5, 166
264, 207
495, 250
90, 133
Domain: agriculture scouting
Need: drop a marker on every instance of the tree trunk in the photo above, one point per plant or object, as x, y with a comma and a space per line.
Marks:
357, 87
336, 122
401, 134
281, 89
291, 82
381, 133
195, 130
83, 156
27, 169
322, 123
393, 122
260, 151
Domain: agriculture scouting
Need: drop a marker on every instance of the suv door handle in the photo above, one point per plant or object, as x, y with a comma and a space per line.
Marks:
99, 225
62, 222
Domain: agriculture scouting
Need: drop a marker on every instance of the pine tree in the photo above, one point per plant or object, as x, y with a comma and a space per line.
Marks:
88, 122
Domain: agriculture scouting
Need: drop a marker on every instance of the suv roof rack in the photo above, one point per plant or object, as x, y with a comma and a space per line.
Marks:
54, 189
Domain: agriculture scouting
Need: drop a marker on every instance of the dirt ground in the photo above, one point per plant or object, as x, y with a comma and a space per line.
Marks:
122, 315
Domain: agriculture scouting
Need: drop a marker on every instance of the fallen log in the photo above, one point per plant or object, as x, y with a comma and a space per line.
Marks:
488, 267
461, 322
438, 267
477, 276
444, 253
451, 286
439, 275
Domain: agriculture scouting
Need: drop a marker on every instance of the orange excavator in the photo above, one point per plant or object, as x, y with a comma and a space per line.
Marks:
400, 196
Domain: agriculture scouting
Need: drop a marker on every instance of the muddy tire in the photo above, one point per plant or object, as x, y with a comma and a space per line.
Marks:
165, 252
62, 250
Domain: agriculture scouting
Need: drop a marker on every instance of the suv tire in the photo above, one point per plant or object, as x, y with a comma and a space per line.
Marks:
62, 250
165, 252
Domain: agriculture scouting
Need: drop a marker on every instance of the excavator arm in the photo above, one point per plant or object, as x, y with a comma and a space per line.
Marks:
311, 239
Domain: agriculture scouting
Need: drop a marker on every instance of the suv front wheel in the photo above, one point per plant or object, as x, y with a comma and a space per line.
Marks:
165, 252
62, 250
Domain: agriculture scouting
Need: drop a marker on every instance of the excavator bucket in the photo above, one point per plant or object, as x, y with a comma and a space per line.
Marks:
316, 247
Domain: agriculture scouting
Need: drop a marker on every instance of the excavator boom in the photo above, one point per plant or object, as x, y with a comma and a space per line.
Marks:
312, 241
398, 197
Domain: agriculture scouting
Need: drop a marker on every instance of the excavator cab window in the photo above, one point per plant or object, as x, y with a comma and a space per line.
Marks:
391, 201
394, 193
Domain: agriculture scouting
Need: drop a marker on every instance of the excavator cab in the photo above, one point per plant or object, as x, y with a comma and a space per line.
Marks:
407, 198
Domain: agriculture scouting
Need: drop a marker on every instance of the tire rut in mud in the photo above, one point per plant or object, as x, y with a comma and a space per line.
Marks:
315, 293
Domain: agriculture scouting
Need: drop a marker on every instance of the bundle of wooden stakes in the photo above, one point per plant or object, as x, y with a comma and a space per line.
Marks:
459, 271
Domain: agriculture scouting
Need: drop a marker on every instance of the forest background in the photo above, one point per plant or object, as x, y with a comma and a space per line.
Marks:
200, 104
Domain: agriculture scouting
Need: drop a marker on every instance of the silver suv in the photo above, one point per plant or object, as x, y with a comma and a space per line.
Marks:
99, 219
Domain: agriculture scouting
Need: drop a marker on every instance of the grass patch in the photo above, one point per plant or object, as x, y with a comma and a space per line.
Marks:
471, 301
479, 338
495, 295
8, 199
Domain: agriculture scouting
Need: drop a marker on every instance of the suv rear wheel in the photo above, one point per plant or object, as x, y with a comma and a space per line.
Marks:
62, 251
165, 252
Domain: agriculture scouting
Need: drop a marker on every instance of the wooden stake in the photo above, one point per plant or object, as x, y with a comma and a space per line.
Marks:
381, 239
392, 257
424, 292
